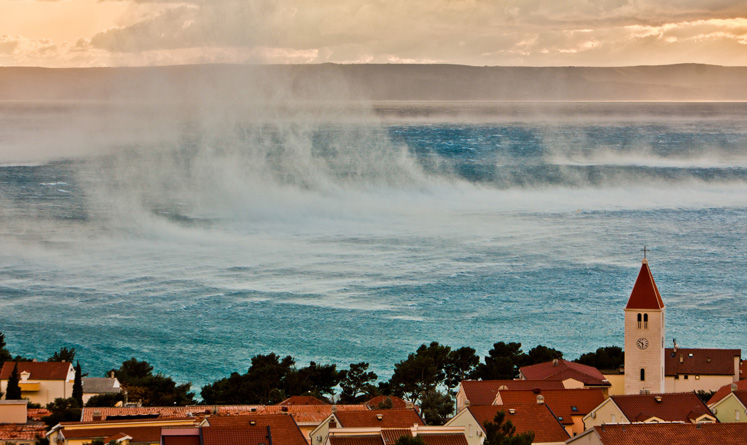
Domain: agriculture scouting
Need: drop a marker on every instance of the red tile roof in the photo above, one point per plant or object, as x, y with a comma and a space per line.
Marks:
562, 370
36, 414
533, 417
356, 440
725, 390
561, 402
396, 402
702, 362
672, 407
238, 436
384, 418
163, 412
645, 294
444, 439
672, 434
391, 435
483, 392
181, 440
38, 370
302, 400
20, 431
139, 434
302, 414
742, 396
283, 429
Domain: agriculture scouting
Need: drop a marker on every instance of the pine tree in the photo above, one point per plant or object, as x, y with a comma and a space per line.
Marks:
14, 389
78, 385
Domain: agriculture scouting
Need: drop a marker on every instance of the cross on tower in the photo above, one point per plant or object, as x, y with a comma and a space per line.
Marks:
644, 250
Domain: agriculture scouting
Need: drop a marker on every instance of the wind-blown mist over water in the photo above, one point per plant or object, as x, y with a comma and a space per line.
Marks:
335, 234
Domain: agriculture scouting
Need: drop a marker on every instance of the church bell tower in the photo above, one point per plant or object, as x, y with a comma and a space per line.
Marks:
644, 336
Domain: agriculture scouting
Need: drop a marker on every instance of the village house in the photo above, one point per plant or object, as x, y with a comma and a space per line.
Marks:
633, 408
573, 375
534, 417
302, 400
731, 407
384, 418
484, 392
16, 428
41, 382
569, 406
664, 433
431, 435
725, 390
125, 432
243, 430
98, 386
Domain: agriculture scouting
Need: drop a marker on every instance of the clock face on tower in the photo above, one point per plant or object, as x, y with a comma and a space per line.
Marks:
642, 343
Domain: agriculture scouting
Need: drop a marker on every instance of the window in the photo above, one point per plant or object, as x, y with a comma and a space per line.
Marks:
639, 321
613, 418
574, 409
736, 414
686, 376
676, 376
645, 321
643, 374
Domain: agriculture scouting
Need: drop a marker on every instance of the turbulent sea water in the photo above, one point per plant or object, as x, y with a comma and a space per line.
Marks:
195, 240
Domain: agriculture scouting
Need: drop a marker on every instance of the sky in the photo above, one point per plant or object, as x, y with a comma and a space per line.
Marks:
84, 33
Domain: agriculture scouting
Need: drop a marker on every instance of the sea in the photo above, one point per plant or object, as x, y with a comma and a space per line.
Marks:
195, 237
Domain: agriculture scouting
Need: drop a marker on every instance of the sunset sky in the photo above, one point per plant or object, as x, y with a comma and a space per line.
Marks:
68, 33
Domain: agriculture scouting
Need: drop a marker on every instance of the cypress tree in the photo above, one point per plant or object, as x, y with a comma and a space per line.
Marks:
78, 385
14, 389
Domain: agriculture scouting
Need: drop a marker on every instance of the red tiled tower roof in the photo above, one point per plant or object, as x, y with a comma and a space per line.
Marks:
645, 294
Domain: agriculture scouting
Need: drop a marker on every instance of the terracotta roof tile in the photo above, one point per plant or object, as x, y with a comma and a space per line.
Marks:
384, 418
444, 439
38, 370
533, 417
356, 440
564, 369
645, 294
483, 392
238, 436
391, 435
671, 407
283, 428
163, 412
302, 414
561, 402
396, 402
302, 400
725, 390
21, 431
139, 434
700, 361
672, 434
181, 440
36, 414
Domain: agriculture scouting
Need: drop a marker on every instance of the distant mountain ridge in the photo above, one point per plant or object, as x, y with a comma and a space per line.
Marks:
685, 82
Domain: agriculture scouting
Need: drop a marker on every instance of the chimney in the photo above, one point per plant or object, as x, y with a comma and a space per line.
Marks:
682, 358
409, 405
734, 387
334, 408
96, 416
540, 399
111, 375
555, 362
